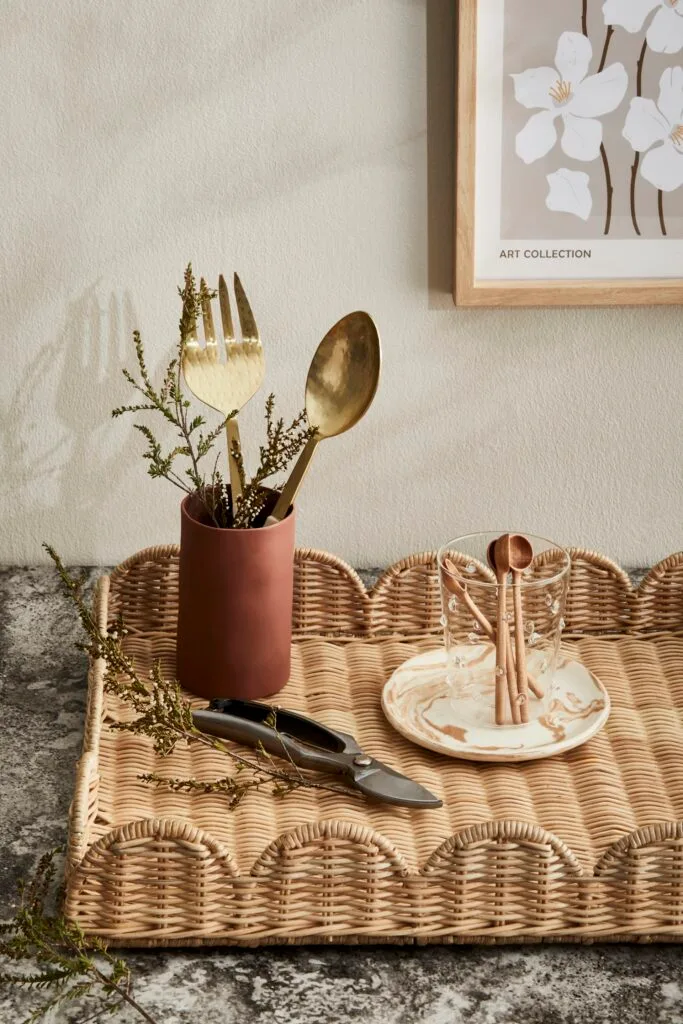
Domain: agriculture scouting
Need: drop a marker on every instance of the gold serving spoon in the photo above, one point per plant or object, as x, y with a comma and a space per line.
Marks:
341, 384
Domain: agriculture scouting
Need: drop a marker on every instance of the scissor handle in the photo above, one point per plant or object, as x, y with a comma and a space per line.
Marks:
306, 742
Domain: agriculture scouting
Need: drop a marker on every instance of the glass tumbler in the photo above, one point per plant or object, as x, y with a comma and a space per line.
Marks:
469, 596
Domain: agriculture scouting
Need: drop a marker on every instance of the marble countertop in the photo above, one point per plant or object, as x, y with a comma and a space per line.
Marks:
43, 688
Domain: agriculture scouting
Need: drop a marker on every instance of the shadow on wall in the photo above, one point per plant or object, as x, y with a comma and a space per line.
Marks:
440, 149
58, 484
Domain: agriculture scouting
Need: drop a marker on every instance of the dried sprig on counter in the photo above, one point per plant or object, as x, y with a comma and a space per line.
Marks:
41, 950
164, 714
233, 788
182, 464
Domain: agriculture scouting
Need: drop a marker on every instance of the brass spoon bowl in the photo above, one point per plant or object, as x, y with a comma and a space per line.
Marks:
341, 384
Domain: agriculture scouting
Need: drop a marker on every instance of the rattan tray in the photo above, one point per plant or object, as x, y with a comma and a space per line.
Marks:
584, 846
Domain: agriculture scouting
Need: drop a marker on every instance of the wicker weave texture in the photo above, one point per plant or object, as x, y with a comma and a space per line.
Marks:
586, 845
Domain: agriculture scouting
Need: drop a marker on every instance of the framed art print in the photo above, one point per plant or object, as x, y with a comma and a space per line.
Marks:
569, 154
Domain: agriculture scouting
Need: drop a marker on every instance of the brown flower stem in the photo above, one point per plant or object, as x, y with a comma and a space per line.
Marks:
608, 37
608, 186
636, 159
660, 209
603, 151
639, 70
584, 18
634, 174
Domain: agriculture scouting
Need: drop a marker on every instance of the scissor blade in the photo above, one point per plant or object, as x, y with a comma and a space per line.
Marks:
383, 783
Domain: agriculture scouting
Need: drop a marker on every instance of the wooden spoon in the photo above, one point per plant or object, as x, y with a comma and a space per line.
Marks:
341, 384
515, 552
520, 558
454, 586
450, 576
500, 566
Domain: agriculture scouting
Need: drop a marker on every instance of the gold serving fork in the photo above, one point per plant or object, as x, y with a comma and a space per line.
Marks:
226, 386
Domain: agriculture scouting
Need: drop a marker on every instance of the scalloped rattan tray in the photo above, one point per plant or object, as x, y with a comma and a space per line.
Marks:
588, 845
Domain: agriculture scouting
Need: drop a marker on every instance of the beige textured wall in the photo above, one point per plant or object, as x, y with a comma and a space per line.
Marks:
308, 144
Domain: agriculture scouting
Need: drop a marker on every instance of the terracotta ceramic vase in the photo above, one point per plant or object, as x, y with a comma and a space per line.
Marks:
235, 606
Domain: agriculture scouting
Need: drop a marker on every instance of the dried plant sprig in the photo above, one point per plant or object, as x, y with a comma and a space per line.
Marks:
235, 788
162, 712
235, 791
170, 401
40, 949
195, 440
282, 445
232, 787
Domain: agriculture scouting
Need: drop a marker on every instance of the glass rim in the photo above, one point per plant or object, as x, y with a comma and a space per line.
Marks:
451, 545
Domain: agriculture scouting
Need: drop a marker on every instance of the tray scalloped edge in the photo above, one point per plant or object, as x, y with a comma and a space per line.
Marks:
409, 590
541, 888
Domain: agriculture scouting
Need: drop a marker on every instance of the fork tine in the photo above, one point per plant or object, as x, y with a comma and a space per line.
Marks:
247, 322
226, 314
192, 334
207, 315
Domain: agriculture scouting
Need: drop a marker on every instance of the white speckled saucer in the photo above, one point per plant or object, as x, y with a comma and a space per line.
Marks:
418, 703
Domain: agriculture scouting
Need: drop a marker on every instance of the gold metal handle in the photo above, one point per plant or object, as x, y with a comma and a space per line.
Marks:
233, 433
289, 491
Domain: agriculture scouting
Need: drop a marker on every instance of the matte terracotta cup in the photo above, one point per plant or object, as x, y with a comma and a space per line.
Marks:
235, 606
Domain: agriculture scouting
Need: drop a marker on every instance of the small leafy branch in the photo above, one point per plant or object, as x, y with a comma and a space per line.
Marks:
170, 401
194, 441
41, 950
283, 444
165, 715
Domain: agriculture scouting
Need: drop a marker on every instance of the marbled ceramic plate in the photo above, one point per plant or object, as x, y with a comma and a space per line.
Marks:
418, 703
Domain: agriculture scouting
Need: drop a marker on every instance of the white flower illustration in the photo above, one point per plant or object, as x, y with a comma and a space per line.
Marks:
656, 129
569, 192
665, 34
568, 92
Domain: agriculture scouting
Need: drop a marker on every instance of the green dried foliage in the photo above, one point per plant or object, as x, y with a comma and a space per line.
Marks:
182, 463
41, 950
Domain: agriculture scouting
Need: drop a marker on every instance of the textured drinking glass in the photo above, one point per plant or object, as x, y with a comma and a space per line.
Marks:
469, 599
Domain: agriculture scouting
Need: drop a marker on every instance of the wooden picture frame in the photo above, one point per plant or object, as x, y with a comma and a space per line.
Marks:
489, 44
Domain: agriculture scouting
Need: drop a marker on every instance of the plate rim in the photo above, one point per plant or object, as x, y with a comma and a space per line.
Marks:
551, 749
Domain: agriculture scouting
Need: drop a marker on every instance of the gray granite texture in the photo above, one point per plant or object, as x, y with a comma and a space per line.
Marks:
42, 690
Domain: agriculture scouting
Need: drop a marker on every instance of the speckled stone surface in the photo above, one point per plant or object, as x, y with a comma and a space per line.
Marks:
42, 694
